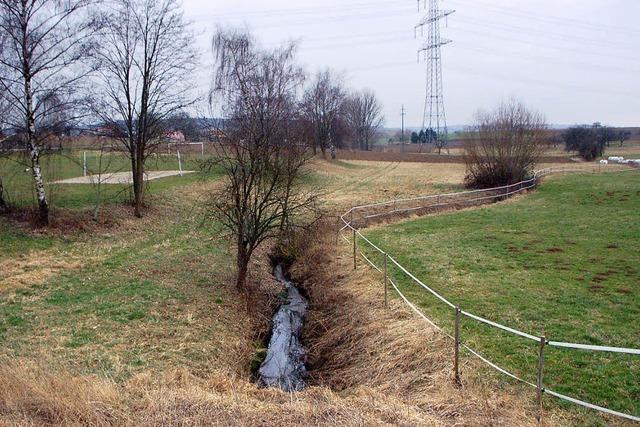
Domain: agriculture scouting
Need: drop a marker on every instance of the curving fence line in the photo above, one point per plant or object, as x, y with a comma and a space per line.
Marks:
361, 216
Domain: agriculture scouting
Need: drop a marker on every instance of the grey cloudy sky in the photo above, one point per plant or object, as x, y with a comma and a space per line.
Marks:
577, 61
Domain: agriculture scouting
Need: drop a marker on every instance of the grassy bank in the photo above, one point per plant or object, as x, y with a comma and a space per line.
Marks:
562, 261
131, 296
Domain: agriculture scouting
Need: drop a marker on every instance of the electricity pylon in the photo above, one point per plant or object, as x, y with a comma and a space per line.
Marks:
435, 120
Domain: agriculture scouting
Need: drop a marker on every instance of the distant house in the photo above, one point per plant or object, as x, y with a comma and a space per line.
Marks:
175, 136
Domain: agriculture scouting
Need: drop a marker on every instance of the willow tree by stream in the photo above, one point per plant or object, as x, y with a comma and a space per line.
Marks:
261, 153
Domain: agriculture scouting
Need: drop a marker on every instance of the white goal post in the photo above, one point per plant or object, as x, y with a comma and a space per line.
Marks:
201, 144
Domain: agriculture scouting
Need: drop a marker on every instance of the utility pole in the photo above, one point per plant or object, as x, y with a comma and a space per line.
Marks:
402, 137
434, 122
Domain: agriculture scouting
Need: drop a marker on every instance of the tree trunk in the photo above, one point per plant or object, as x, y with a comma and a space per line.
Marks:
96, 209
4, 206
34, 153
138, 184
43, 204
243, 267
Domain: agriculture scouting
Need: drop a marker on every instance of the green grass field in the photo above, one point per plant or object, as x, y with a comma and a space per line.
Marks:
18, 181
563, 261
150, 294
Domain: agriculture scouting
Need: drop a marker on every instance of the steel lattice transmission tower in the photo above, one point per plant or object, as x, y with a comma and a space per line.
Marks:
435, 121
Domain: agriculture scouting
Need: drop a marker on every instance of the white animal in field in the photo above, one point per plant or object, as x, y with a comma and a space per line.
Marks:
604, 162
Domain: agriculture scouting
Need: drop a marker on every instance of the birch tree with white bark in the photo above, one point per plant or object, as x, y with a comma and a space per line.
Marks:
45, 47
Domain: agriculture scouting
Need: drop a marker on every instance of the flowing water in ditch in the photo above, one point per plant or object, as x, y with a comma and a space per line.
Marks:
284, 364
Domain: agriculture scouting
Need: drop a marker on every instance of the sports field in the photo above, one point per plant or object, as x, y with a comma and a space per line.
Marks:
18, 181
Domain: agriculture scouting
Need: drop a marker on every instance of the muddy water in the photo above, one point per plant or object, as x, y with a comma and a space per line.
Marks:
284, 365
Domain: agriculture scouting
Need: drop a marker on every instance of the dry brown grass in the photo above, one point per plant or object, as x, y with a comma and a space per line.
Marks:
370, 365
356, 343
452, 155
33, 396
348, 183
36, 395
35, 270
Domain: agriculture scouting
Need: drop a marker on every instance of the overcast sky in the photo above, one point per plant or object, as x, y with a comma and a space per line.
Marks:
577, 61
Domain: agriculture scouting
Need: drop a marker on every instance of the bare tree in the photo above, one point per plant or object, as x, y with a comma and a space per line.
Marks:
320, 108
5, 150
147, 58
439, 140
44, 48
622, 136
504, 145
261, 154
363, 115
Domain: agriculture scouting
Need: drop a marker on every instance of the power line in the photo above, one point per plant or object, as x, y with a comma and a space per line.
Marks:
547, 34
334, 15
493, 75
554, 20
402, 114
537, 44
307, 10
501, 51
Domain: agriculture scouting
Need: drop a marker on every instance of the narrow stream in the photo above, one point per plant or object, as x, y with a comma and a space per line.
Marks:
284, 364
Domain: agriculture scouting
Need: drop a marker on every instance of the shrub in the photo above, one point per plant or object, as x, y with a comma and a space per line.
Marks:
504, 145
589, 142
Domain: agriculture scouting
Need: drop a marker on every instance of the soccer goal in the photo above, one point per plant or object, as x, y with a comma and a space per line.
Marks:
182, 144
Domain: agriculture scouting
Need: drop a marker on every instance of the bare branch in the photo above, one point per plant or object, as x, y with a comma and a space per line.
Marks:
261, 152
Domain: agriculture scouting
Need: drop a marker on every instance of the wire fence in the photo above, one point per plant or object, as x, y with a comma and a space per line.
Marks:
361, 216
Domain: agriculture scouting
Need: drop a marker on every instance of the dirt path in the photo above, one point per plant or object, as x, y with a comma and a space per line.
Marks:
121, 177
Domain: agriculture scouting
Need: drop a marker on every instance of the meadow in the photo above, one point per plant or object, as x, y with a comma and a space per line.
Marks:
148, 307
560, 262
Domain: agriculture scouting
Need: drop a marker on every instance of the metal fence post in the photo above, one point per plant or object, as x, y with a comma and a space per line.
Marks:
456, 351
539, 386
355, 246
386, 281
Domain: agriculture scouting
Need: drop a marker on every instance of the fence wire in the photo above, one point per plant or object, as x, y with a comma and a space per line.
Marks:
504, 192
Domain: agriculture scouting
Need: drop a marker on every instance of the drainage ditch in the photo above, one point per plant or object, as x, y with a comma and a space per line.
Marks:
284, 364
